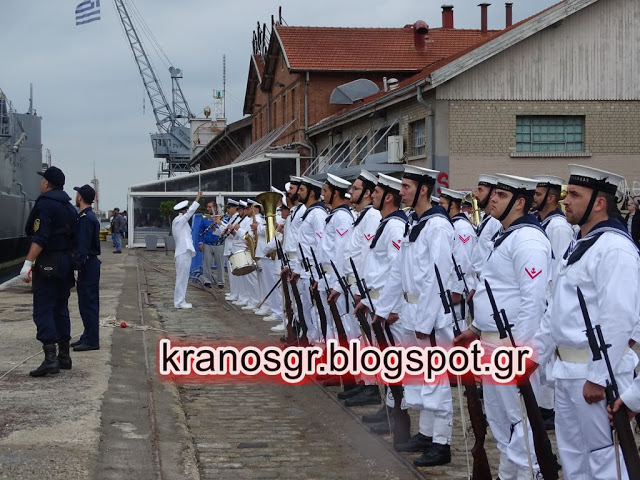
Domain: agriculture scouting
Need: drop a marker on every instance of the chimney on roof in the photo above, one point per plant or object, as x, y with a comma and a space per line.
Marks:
509, 14
447, 16
420, 30
484, 22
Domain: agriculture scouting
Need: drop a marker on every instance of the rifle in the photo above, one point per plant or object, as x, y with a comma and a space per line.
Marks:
465, 290
342, 335
315, 295
547, 460
481, 469
402, 422
364, 324
301, 329
621, 432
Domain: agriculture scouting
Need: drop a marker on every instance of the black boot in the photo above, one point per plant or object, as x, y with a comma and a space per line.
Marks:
379, 417
64, 359
369, 395
436, 454
50, 363
417, 443
381, 428
350, 391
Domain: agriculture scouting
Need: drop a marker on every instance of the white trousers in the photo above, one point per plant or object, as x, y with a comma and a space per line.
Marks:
183, 267
233, 280
584, 437
270, 276
314, 332
249, 288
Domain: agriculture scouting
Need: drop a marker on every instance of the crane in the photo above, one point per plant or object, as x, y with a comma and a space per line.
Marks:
173, 140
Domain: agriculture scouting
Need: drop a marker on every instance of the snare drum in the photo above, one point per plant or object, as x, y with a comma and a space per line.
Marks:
242, 263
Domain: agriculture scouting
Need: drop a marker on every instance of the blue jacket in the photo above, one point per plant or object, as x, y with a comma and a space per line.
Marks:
208, 235
52, 221
87, 238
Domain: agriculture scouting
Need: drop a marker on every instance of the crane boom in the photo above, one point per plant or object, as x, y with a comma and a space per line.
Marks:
173, 142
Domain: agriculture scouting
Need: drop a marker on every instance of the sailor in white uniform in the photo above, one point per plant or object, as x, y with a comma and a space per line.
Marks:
413, 277
546, 201
516, 271
185, 251
464, 242
603, 262
335, 237
383, 250
362, 232
239, 245
487, 229
234, 218
310, 230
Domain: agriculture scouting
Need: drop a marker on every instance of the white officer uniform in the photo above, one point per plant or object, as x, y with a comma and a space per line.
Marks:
335, 237
487, 229
232, 296
603, 264
464, 242
185, 251
517, 271
428, 243
310, 232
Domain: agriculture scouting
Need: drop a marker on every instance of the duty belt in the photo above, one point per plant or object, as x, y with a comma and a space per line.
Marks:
326, 269
351, 279
374, 294
292, 255
576, 355
492, 337
410, 297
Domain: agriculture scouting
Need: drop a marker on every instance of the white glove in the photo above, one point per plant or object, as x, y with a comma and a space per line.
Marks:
75, 275
25, 273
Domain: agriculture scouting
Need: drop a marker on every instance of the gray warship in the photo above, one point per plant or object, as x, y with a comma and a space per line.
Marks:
20, 158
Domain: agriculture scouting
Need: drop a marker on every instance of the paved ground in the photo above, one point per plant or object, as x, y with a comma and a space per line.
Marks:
111, 417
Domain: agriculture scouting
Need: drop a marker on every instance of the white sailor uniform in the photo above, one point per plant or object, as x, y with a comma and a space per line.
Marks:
183, 254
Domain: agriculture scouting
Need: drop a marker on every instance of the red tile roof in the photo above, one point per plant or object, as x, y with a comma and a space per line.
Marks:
371, 49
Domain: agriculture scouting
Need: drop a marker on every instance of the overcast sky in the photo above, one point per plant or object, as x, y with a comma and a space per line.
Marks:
88, 90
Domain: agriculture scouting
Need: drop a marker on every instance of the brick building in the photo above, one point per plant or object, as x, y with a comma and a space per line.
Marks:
559, 87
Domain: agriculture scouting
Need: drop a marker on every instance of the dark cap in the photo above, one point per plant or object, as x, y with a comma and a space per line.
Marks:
54, 176
87, 193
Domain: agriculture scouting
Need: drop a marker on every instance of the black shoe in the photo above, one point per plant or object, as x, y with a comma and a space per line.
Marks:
77, 342
417, 443
370, 395
381, 428
50, 363
207, 285
116, 251
436, 454
64, 359
83, 347
378, 417
220, 286
350, 390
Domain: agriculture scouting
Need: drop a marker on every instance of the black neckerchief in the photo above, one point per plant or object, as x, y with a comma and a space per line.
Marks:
313, 207
460, 216
395, 214
344, 207
361, 215
580, 246
436, 211
295, 210
483, 223
545, 223
526, 221
411, 219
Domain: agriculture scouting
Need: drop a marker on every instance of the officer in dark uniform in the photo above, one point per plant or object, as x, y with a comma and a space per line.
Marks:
51, 226
87, 269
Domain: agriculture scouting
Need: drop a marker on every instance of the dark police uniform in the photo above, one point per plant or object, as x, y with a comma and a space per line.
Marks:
51, 224
85, 261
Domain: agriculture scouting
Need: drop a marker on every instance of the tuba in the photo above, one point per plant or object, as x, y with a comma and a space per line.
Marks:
269, 202
475, 209
251, 240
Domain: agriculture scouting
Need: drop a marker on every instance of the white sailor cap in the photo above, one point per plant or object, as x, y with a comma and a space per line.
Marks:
452, 194
181, 205
347, 196
311, 182
232, 202
419, 174
368, 177
595, 179
389, 182
487, 180
287, 186
514, 184
435, 199
243, 204
337, 182
549, 181
296, 180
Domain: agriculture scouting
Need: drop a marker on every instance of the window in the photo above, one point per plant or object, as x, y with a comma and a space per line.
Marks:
382, 146
549, 133
418, 135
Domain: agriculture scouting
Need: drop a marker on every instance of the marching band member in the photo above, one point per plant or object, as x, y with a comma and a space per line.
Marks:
208, 236
233, 217
412, 276
516, 270
602, 262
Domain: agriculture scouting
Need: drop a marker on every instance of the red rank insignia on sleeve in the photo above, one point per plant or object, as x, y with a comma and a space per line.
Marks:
533, 273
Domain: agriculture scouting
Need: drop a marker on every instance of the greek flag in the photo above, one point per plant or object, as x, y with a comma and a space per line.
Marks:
87, 11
